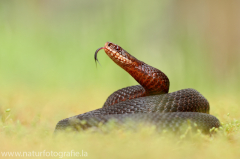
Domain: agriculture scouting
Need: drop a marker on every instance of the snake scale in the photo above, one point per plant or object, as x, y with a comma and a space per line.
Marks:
149, 102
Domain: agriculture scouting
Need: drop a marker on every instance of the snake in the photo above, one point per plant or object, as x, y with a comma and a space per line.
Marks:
147, 103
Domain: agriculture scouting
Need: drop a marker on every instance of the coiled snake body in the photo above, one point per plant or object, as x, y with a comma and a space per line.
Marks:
148, 102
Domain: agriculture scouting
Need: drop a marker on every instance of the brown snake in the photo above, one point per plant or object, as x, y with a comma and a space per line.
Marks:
148, 102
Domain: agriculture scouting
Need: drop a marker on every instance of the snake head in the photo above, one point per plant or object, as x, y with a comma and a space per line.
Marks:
120, 56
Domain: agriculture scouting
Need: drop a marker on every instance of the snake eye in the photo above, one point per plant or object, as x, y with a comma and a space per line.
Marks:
118, 48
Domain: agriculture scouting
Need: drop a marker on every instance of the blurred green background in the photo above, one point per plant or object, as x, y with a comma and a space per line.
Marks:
50, 45
48, 72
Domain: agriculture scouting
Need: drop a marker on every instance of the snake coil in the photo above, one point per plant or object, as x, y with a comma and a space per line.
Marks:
148, 102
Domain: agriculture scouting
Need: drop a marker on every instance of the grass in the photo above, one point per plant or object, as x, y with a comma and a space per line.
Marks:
29, 118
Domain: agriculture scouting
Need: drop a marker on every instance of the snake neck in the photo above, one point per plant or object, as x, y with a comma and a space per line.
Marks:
151, 79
